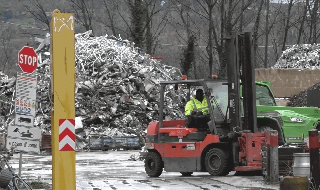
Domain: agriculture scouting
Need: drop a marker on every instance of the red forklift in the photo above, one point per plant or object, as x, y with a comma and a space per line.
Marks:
221, 141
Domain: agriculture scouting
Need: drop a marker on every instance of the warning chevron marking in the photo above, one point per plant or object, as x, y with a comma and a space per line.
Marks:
67, 132
67, 135
66, 144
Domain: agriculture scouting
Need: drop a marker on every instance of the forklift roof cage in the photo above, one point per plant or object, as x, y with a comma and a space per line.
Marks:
188, 83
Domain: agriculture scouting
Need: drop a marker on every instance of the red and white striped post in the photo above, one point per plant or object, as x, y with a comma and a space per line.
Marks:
314, 157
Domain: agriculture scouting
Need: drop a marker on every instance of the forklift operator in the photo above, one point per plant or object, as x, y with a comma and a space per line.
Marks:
197, 103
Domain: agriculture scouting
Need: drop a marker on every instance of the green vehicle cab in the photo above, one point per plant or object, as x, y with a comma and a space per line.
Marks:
292, 123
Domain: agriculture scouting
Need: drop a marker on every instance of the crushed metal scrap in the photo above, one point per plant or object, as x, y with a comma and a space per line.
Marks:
300, 100
117, 88
305, 56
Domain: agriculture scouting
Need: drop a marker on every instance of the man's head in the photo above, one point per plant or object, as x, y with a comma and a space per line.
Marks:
199, 95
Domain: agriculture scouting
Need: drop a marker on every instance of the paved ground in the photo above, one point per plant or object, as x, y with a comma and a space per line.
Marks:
113, 170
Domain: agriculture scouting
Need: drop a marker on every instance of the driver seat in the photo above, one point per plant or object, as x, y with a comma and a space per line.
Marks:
199, 123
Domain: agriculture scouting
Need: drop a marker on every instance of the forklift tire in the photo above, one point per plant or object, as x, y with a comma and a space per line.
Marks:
216, 162
153, 164
186, 173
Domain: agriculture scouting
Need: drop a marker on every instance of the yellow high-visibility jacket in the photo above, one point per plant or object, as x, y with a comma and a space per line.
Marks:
195, 104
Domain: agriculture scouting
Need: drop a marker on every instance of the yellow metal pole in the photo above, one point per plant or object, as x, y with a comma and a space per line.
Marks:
63, 92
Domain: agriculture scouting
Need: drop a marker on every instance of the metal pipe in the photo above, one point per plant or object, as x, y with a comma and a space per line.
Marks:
314, 158
161, 109
20, 163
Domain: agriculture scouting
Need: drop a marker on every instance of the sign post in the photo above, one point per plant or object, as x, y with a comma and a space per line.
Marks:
19, 135
63, 92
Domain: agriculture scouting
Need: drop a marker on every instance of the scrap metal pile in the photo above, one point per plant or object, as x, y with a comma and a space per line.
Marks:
117, 88
306, 56
6, 101
300, 100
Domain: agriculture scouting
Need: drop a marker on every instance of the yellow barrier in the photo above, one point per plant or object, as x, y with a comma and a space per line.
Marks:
63, 91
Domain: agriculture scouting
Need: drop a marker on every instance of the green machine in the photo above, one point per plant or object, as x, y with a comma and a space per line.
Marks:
292, 123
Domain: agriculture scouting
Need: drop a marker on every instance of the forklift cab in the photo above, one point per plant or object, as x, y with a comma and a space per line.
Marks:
217, 103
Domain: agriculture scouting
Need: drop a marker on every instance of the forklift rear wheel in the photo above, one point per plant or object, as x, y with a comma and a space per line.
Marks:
186, 173
216, 162
153, 164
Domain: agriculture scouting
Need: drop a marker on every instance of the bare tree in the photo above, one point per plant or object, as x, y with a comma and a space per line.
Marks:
272, 26
146, 22
182, 8
186, 28
84, 11
313, 10
275, 40
302, 22
156, 22
194, 17
256, 31
111, 7
37, 10
287, 24
222, 17
7, 33
267, 35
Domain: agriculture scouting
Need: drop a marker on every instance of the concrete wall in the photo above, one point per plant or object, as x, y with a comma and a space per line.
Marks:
288, 82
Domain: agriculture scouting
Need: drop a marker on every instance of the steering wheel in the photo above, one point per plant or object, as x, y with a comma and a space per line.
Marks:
201, 115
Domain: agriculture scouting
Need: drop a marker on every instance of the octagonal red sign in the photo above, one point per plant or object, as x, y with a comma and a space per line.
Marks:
27, 59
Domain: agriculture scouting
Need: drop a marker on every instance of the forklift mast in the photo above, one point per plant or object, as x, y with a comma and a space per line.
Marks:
241, 69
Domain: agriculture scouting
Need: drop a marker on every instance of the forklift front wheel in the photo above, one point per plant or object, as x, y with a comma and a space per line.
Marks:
216, 162
153, 164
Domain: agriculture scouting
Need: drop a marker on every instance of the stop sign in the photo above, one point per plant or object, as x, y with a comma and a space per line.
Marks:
27, 59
